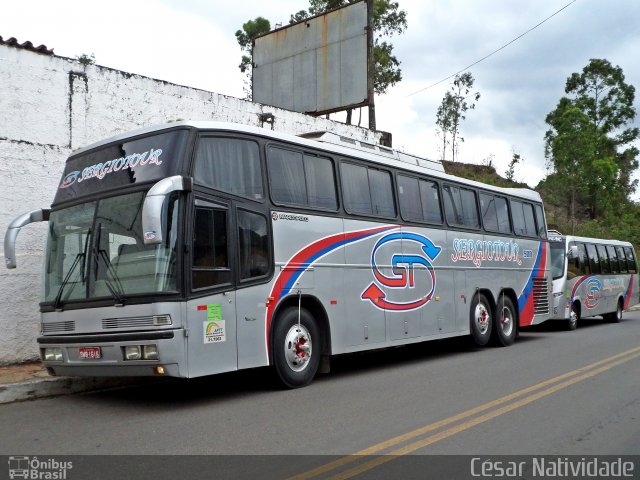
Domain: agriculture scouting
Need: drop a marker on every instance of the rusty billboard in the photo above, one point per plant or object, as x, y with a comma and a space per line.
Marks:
315, 66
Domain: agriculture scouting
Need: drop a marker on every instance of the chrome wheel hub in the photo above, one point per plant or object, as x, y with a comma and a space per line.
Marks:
482, 318
297, 348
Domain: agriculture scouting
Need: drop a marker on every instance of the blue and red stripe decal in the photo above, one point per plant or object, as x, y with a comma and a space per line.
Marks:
525, 300
629, 292
305, 258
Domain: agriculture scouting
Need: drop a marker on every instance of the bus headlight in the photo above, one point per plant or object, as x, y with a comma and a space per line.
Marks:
132, 352
150, 352
53, 354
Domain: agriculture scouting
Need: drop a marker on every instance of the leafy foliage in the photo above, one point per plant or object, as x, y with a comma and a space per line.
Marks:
589, 144
452, 111
250, 30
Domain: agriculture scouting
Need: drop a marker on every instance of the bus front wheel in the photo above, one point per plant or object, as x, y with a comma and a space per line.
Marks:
481, 320
572, 323
296, 347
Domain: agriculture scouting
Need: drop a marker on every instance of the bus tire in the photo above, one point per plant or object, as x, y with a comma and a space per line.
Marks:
574, 318
296, 348
504, 324
615, 317
480, 319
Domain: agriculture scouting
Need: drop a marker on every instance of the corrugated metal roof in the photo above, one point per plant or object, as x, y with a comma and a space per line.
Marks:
13, 42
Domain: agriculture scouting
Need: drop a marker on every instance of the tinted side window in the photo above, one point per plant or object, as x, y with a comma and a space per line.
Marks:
523, 219
210, 250
381, 193
409, 196
542, 228
230, 165
460, 206
286, 177
604, 259
355, 189
419, 200
631, 261
321, 182
253, 242
488, 211
622, 259
594, 261
502, 212
430, 198
613, 259
577, 265
367, 191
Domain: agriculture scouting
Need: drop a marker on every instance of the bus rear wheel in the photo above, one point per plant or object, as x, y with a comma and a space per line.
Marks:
296, 348
505, 322
481, 320
615, 317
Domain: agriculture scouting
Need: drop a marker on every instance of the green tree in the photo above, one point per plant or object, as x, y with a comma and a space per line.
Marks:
250, 30
452, 111
511, 169
589, 142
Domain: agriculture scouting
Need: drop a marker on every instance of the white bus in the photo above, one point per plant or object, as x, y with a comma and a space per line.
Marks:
196, 248
592, 277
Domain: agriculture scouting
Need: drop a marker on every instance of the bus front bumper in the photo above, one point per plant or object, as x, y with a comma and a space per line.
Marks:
161, 353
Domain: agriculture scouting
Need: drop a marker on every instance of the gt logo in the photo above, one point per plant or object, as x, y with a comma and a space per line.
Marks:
407, 271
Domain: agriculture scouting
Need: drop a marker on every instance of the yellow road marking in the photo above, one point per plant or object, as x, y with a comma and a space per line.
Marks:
328, 467
476, 421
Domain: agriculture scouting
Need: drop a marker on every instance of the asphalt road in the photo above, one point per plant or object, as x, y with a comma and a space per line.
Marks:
553, 392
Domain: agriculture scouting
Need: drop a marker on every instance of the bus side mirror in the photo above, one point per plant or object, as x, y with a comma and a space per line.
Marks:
154, 202
11, 234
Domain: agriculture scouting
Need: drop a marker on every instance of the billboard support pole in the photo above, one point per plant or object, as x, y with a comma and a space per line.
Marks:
370, 66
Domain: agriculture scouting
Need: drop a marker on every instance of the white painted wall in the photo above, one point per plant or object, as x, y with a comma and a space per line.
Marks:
51, 105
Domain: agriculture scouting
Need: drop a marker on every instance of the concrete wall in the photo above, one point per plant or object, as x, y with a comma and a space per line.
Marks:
50, 106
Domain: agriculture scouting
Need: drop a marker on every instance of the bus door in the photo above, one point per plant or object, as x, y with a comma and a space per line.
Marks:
211, 317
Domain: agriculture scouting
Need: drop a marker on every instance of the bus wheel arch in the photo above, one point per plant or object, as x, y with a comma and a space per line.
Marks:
574, 315
314, 328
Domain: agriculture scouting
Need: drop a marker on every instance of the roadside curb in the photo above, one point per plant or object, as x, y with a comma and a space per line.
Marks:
56, 386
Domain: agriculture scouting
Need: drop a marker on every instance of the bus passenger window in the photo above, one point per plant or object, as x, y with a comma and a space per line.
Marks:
631, 261
594, 261
253, 245
577, 265
613, 259
604, 259
460, 207
229, 165
210, 251
622, 258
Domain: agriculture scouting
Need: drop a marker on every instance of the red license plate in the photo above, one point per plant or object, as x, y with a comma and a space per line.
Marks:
90, 353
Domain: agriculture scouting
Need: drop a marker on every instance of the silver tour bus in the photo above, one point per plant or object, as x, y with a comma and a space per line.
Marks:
592, 277
196, 248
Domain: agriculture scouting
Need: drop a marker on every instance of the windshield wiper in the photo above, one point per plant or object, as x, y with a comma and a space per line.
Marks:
115, 288
57, 303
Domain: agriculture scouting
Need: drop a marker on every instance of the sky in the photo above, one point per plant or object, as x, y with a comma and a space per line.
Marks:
192, 43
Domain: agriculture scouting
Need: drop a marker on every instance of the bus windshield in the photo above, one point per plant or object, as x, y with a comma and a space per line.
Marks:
557, 259
96, 250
